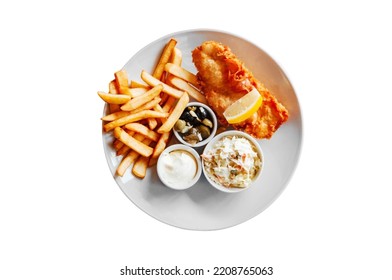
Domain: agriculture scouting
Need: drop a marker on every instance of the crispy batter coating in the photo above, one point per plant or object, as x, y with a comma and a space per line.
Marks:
224, 79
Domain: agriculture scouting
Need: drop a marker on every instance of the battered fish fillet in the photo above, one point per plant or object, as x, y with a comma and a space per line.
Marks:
224, 79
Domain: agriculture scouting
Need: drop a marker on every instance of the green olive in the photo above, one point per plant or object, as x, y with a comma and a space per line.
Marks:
192, 138
204, 131
207, 122
180, 124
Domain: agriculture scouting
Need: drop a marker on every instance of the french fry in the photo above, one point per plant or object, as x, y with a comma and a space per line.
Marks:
143, 130
183, 85
115, 116
112, 87
175, 114
129, 159
134, 92
182, 73
147, 106
114, 98
113, 90
161, 144
169, 104
138, 101
139, 169
117, 144
121, 79
164, 58
152, 123
131, 142
176, 57
165, 97
135, 84
145, 114
166, 88
125, 149
158, 108
126, 162
152, 161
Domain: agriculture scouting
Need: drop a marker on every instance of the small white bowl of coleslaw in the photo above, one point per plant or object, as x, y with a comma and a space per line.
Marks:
232, 161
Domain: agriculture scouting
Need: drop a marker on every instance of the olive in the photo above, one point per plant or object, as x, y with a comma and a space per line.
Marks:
193, 114
193, 137
201, 113
207, 122
204, 131
186, 116
195, 122
194, 131
192, 108
193, 119
185, 129
180, 124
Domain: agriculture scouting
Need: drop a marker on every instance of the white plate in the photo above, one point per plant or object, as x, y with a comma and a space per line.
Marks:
202, 207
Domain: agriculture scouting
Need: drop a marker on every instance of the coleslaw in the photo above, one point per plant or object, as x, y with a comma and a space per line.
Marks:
233, 162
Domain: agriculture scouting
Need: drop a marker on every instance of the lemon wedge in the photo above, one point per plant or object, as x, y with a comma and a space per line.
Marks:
244, 107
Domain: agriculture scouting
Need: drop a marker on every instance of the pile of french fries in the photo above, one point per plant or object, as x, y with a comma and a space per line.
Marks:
142, 114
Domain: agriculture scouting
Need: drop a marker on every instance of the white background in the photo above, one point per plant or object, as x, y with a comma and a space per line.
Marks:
64, 217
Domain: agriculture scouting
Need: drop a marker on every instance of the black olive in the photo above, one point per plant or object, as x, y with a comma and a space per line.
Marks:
186, 116
195, 122
201, 113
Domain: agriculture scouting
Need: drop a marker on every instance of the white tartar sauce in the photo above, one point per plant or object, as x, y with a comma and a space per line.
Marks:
178, 168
